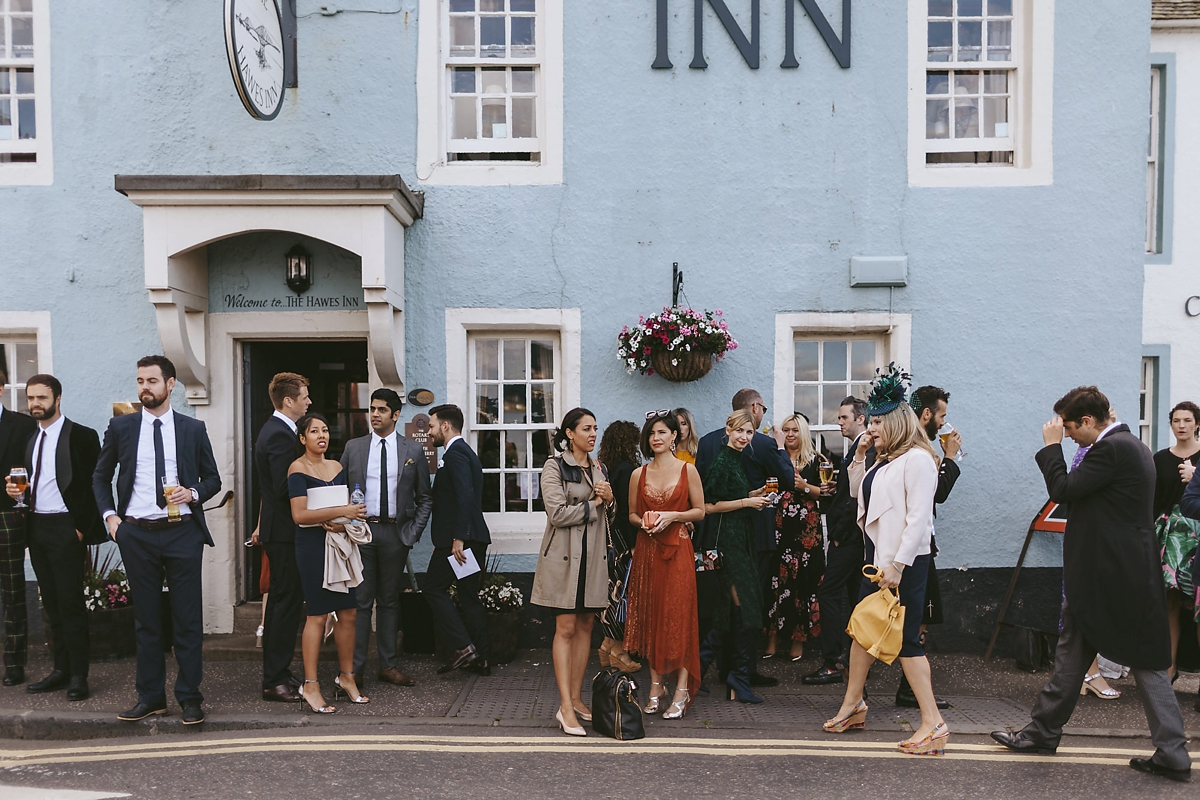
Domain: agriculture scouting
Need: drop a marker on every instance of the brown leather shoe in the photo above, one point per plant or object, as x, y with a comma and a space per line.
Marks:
396, 677
282, 693
459, 659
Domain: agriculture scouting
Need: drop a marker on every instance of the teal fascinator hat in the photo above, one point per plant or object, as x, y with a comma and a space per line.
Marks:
888, 390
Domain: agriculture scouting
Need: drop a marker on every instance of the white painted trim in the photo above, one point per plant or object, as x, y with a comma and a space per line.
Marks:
895, 329
42, 172
513, 532
431, 109
1033, 102
13, 323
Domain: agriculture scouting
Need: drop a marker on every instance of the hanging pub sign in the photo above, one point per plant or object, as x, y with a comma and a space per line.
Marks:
254, 44
418, 431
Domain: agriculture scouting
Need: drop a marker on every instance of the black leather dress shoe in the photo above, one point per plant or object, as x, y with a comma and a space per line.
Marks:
14, 676
909, 700
1149, 767
480, 667
51, 683
758, 679
460, 659
283, 693
192, 713
1022, 742
141, 711
77, 689
823, 677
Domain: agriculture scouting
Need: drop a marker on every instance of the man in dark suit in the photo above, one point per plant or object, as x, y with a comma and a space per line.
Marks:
838, 591
1116, 601
394, 475
277, 447
15, 432
62, 521
458, 526
763, 458
166, 473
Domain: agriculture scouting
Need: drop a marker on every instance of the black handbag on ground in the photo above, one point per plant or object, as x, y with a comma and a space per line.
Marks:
1034, 649
615, 709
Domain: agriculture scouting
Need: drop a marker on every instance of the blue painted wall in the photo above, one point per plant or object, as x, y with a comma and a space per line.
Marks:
761, 184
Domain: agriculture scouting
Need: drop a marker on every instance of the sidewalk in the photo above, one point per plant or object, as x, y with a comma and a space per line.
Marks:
984, 697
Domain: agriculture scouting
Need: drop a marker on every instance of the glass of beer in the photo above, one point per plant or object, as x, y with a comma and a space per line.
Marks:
170, 483
19, 478
944, 434
772, 485
826, 470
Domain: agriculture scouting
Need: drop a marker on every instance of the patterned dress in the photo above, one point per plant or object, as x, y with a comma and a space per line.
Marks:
799, 563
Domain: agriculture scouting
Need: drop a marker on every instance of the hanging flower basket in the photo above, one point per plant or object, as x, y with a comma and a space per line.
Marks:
681, 344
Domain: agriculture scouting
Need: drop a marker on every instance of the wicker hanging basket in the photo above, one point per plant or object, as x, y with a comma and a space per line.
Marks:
693, 365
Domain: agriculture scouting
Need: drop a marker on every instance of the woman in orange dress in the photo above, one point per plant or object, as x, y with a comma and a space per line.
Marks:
661, 624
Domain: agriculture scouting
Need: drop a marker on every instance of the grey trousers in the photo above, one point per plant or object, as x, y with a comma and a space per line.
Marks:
383, 568
1057, 700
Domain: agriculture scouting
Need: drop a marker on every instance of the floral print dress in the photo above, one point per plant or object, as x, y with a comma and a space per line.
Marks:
799, 563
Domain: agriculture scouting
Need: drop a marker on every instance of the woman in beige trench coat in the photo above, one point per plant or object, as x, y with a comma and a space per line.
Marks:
572, 569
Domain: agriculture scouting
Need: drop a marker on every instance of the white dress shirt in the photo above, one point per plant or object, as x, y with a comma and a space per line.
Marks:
1107, 430
143, 503
371, 490
453, 439
49, 498
287, 420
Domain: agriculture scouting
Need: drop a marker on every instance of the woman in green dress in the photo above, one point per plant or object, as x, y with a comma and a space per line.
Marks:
729, 530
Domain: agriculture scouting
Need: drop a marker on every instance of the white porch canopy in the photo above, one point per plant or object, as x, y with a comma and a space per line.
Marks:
182, 214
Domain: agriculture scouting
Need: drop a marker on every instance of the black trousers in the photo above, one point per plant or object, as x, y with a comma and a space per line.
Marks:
13, 537
383, 563
471, 628
173, 554
57, 557
837, 594
285, 612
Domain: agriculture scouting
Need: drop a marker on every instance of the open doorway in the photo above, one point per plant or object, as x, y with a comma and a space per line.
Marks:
338, 385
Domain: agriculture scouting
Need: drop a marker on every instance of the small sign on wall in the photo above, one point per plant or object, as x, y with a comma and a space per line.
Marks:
418, 431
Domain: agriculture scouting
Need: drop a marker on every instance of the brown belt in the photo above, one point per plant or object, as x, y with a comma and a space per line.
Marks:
159, 524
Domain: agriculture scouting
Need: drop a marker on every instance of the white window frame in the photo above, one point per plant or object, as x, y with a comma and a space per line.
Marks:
512, 532
40, 173
815, 425
25, 326
892, 331
1148, 402
1154, 182
433, 105
1031, 105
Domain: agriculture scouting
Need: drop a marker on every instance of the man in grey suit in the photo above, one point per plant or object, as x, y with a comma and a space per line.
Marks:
394, 476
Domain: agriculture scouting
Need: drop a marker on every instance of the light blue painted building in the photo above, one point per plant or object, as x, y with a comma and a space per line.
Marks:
990, 152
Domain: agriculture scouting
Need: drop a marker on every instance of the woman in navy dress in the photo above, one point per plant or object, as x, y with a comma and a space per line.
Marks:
309, 471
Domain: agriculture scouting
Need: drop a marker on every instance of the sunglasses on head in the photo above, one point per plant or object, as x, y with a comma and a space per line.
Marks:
662, 412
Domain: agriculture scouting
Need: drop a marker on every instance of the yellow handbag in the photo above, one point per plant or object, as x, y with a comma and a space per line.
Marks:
877, 623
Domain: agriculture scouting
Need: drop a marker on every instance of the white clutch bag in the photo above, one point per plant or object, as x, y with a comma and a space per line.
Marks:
328, 497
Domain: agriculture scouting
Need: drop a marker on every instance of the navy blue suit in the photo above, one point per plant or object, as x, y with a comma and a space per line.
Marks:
173, 552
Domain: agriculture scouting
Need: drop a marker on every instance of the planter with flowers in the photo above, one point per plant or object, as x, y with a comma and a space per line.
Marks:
109, 604
503, 603
680, 344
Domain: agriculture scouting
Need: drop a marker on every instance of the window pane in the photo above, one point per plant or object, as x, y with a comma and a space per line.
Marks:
999, 41
493, 80
541, 360
514, 359
491, 491
523, 80
941, 8
937, 119
806, 401
937, 83
462, 5
495, 125
491, 37
3, 72
486, 361
523, 126
522, 37
543, 403
491, 5
806, 361
995, 117
940, 40
999, 8
835, 362
862, 361
462, 36
966, 83
516, 450
970, 40
831, 398
464, 118
6, 131
487, 404
970, 8
26, 362
516, 491
541, 447
22, 37
515, 404
489, 449
24, 81
26, 119
995, 82
463, 80
966, 118
522, 5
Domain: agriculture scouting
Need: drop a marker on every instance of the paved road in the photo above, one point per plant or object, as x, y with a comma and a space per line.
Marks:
426, 763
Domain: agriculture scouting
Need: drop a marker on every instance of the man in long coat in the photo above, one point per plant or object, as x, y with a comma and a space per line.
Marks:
1116, 601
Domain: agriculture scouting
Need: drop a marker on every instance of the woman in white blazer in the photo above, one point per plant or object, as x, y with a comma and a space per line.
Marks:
895, 511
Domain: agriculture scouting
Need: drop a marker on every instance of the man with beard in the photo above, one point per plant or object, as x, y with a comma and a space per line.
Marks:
15, 432
166, 472
930, 403
62, 521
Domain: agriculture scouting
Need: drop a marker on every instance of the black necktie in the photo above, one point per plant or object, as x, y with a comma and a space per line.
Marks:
383, 480
37, 471
160, 465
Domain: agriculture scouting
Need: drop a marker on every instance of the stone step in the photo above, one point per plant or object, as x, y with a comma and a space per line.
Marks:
247, 616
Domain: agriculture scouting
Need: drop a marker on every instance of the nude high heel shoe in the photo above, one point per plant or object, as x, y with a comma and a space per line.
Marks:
565, 728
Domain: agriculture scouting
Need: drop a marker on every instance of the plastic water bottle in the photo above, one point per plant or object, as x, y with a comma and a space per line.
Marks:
357, 498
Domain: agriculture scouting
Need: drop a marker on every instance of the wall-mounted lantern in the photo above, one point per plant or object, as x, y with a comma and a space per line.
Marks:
299, 269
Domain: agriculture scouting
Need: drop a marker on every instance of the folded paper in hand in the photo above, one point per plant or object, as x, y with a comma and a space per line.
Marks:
463, 570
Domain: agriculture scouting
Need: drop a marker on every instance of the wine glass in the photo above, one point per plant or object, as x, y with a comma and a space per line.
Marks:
20, 479
943, 434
